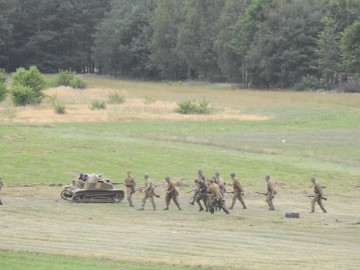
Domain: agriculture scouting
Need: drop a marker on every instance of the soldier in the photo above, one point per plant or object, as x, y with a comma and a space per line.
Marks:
149, 193
318, 196
270, 193
201, 177
171, 193
216, 197
238, 192
220, 182
201, 194
130, 187
1, 185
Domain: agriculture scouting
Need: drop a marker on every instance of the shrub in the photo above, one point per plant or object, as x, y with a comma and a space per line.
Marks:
116, 98
3, 91
59, 108
194, 107
2, 75
98, 105
32, 79
77, 83
309, 83
22, 95
63, 78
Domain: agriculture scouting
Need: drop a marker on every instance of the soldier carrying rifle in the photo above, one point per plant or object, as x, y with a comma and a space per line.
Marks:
171, 193
270, 195
130, 187
149, 193
238, 192
217, 200
318, 196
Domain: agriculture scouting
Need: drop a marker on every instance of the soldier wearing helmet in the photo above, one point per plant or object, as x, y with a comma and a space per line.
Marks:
171, 193
217, 200
220, 182
1, 185
271, 192
318, 196
238, 192
148, 193
130, 185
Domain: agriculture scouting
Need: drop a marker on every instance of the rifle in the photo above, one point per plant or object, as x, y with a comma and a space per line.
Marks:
142, 190
312, 196
191, 191
261, 193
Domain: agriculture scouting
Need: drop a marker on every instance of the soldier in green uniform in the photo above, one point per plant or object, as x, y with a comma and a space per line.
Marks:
148, 193
171, 193
238, 192
197, 191
270, 195
217, 198
201, 194
130, 187
1, 185
318, 196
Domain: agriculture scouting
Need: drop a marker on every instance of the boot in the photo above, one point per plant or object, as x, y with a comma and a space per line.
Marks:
167, 208
244, 207
201, 209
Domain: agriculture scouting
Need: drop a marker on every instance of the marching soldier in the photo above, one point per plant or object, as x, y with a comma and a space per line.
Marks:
318, 196
130, 187
171, 193
148, 193
197, 191
238, 192
1, 185
270, 193
220, 182
217, 198
201, 194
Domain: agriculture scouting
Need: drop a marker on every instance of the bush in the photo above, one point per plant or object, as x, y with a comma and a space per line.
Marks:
77, 83
22, 95
31, 79
116, 98
194, 107
98, 105
64, 78
59, 108
2, 75
3, 91
309, 83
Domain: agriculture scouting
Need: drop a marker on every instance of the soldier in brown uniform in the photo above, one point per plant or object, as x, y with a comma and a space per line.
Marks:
171, 193
217, 198
270, 195
318, 196
148, 193
130, 187
238, 192
197, 191
220, 182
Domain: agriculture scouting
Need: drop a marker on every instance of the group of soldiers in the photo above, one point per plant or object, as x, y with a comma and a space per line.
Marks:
209, 193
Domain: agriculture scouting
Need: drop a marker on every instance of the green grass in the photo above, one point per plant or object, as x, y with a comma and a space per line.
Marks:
38, 261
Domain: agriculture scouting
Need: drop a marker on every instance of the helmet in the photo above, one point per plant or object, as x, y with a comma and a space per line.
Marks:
167, 178
312, 178
212, 179
199, 170
267, 177
217, 174
146, 176
232, 174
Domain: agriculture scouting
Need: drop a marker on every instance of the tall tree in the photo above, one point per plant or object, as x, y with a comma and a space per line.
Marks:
328, 51
170, 14
5, 33
123, 38
197, 37
350, 48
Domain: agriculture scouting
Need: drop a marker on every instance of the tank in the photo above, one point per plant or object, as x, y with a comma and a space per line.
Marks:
92, 188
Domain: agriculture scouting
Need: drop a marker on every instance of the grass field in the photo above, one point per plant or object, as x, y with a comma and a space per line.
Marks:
290, 136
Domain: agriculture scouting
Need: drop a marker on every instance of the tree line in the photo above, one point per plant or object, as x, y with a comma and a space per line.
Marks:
254, 43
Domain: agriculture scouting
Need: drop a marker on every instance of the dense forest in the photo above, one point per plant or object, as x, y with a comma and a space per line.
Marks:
258, 43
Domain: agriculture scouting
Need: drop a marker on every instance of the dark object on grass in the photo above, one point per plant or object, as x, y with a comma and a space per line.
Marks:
292, 214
